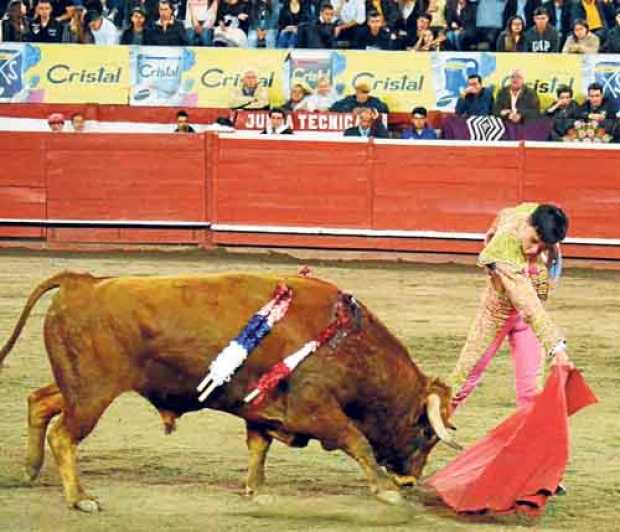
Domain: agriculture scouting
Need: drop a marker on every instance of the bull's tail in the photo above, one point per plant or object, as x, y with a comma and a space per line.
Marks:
47, 285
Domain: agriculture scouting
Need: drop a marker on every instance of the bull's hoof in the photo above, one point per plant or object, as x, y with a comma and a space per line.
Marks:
389, 497
264, 499
87, 505
404, 480
31, 475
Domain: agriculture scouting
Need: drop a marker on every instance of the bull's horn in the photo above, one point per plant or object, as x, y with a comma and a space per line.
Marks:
433, 406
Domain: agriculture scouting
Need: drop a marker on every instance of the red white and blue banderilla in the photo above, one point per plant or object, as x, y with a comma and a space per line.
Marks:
234, 354
280, 371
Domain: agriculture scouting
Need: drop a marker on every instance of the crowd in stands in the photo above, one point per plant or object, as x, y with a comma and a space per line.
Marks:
570, 26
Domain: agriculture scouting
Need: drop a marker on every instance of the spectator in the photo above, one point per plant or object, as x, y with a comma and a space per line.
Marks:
43, 28
200, 18
595, 13
581, 40
522, 8
298, 100
14, 26
407, 22
233, 23
263, 23
374, 35
428, 43
461, 19
600, 109
167, 30
350, 15
476, 99
388, 8
292, 14
110, 9
542, 37
250, 95
516, 103
437, 10
56, 121
563, 111
183, 125
489, 21
151, 8
323, 98
76, 31
361, 98
420, 129
423, 24
612, 43
277, 124
319, 34
369, 124
512, 39
102, 29
136, 33
560, 18
78, 123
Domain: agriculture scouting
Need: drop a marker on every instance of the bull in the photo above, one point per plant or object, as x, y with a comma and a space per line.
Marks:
157, 336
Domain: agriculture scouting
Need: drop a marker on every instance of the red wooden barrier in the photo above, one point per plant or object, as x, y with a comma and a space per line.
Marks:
291, 192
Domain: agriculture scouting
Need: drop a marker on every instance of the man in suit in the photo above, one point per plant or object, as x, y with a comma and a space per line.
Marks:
516, 103
368, 125
277, 123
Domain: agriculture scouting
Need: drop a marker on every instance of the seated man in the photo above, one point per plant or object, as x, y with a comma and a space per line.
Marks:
167, 30
361, 98
476, 100
564, 111
516, 102
374, 35
369, 124
183, 125
277, 124
600, 109
250, 95
420, 129
319, 34
542, 37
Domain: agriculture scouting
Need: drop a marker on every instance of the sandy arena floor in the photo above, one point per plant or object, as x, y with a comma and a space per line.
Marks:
192, 479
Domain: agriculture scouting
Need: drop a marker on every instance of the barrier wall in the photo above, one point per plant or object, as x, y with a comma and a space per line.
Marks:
266, 191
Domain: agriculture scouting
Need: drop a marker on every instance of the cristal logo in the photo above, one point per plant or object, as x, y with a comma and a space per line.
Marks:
161, 69
404, 83
60, 74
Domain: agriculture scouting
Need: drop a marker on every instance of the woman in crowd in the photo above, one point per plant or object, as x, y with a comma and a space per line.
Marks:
14, 26
437, 10
292, 14
263, 19
581, 40
75, 30
200, 18
461, 20
297, 100
136, 33
427, 42
512, 39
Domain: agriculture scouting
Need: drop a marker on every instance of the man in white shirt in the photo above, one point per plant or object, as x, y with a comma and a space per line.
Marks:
350, 15
104, 31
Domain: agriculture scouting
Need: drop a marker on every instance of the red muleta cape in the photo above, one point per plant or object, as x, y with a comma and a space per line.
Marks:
520, 463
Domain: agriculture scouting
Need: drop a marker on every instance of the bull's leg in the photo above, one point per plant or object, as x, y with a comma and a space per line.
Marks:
258, 446
43, 405
312, 412
72, 427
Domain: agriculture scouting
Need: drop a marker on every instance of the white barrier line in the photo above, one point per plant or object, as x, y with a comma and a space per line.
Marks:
105, 223
385, 233
280, 229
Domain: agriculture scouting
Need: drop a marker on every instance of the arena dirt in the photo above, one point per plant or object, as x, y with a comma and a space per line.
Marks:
192, 479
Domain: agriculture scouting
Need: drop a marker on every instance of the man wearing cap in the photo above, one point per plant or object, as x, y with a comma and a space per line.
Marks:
361, 98
104, 31
56, 122
136, 34
420, 130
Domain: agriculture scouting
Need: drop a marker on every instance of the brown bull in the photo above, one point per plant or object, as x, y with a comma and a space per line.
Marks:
157, 336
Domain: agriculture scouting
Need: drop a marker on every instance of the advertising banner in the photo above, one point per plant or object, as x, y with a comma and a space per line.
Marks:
63, 74
605, 70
